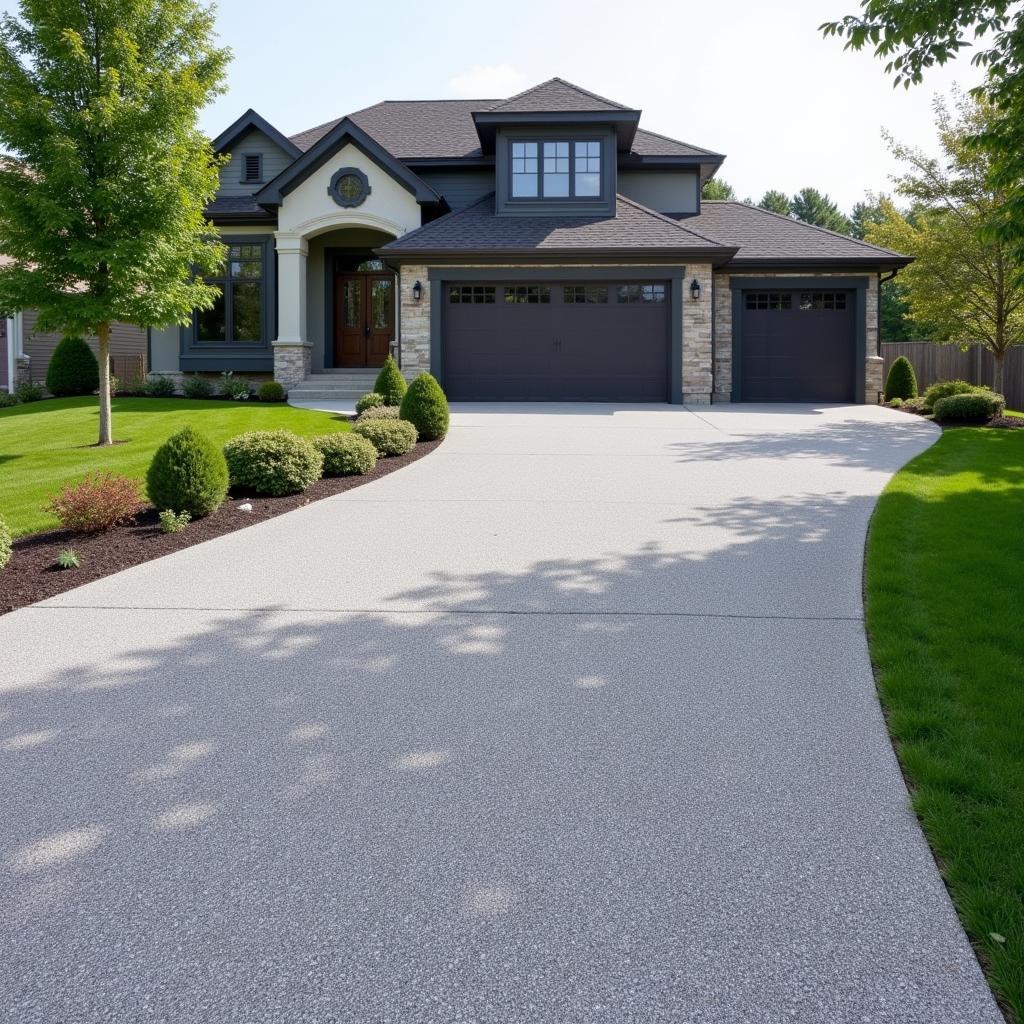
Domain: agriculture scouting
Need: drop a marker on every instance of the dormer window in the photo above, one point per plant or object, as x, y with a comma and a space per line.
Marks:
252, 167
556, 169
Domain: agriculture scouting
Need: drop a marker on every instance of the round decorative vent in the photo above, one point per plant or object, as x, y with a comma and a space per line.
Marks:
349, 187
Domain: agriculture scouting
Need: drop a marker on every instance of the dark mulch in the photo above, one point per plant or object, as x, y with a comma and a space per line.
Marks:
997, 422
32, 574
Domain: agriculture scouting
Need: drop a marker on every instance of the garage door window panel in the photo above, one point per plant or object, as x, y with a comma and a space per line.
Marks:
588, 295
528, 294
823, 300
641, 293
769, 300
467, 294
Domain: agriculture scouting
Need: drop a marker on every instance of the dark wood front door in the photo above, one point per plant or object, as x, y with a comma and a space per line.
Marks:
364, 318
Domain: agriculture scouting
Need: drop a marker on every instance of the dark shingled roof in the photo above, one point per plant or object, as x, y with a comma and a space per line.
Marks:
476, 228
763, 236
554, 94
235, 206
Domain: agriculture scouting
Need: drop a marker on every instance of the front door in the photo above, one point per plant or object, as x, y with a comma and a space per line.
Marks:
364, 318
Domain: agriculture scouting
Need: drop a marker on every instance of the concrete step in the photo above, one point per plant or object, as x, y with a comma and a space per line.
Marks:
305, 394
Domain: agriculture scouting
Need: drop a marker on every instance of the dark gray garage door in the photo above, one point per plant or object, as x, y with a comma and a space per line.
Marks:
798, 346
557, 342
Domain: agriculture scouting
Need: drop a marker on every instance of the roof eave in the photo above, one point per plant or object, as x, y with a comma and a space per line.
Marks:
625, 122
718, 256
780, 263
250, 121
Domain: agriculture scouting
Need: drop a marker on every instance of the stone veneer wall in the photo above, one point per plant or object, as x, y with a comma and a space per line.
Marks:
292, 363
414, 321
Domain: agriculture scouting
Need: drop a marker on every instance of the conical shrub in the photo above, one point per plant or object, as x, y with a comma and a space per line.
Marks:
901, 382
426, 407
73, 369
390, 383
188, 474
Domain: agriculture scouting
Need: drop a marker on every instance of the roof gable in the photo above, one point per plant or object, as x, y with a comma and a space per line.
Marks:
556, 94
248, 122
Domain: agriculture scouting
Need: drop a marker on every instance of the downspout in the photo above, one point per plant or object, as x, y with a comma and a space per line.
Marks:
11, 341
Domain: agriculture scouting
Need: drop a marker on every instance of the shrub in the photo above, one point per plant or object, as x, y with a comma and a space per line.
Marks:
68, 559
381, 412
99, 503
426, 408
945, 388
895, 403
188, 474
234, 388
159, 386
346, 454
197, 387
390, 384
389, 437
273, 462
369, 401
26, 391
174, 522
974, 407
5, 543
901, 382
915, 405
73, 369
270, 391
7, 399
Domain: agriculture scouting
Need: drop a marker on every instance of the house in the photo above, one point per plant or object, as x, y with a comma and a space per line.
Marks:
543, 247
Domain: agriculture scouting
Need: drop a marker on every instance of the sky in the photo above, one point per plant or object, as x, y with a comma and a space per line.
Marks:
748, 78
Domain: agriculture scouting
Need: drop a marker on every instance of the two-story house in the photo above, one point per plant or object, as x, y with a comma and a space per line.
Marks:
543, 247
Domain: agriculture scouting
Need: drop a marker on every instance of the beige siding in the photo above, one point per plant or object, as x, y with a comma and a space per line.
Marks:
127, 347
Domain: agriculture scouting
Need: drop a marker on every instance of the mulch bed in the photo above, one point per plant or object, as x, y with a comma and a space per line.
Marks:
997, 422
32, 573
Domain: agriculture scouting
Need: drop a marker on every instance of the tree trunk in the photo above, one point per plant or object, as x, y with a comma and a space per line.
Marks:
103, 333
997, 372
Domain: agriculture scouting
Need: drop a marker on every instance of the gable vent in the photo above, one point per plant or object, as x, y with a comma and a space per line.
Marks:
253, 167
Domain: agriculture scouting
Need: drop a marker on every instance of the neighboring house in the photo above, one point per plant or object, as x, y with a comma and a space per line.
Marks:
540, 247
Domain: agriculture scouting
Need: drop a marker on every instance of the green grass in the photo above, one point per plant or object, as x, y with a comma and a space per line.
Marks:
45, 445
945, 610
1013, 412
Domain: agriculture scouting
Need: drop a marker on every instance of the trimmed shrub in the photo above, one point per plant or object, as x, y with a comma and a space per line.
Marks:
7, 399
26, 391
369, 401
389, 437
159, 386
197, 387
945, 388
915, 405
381, 412
73, 369
174, 522
234, 388
390, 384
99, 503
426, 408
273, 462
901, 381
270, 391
895, 403
188, 474
5, 543
345, 454
974, 407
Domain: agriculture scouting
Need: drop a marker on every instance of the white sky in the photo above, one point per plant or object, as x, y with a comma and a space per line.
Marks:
752, 79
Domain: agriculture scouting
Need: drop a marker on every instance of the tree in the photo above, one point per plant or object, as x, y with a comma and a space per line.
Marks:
813, 207
964, 280
715, 188
912, 35
776, 202
101, 212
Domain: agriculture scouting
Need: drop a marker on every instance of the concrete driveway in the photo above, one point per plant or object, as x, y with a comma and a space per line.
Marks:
570, 721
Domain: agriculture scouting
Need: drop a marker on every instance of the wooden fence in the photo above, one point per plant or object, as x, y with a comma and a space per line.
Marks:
933, 362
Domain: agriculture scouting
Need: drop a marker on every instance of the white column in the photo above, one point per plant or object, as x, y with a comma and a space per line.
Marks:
10, 354
292, 251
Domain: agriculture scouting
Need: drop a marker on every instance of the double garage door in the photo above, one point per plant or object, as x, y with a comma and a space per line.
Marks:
557, 341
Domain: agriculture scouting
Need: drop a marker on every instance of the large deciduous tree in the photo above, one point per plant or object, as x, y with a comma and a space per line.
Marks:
101, 207
965, 280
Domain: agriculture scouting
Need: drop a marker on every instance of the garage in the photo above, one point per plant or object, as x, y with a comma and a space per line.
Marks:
557, 341
797, 345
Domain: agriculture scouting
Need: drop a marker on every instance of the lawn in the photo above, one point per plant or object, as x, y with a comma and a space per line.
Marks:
945, 564
46, 444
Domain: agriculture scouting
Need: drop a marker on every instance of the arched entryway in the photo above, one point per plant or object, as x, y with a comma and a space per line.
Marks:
363, 328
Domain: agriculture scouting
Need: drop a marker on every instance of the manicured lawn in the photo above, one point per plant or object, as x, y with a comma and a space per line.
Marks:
945, 608
47, 444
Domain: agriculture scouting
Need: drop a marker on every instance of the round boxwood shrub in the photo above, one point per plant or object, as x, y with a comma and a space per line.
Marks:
273, 462
945, 388
197, 387
346, 454
270, 391
5, 543
974, 407
369, 401
901, 382
73, 369
188, 474
389, 437
390, 384
426, 408
895, 403
381, 412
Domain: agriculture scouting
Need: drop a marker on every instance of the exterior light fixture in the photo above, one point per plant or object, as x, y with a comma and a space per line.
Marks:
695, 290
417, 292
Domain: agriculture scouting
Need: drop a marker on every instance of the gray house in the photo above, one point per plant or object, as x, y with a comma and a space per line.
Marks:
543, 247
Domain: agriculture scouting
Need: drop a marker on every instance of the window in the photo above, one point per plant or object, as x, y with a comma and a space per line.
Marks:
467, 293
237, 315
252, 167
632, 293
823, 300
524, 169
349, 187
531, 294
769, 300
584, 293
556, 169
587, 171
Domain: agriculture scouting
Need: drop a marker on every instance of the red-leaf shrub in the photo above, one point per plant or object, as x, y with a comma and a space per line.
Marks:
100, 502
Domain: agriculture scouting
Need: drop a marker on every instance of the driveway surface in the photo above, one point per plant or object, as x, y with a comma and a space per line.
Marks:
570, 721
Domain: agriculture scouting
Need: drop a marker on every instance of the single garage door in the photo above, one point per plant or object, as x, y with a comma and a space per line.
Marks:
581, 342
798, 346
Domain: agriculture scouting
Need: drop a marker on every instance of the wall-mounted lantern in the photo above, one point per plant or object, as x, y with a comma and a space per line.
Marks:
417, 292
695, 290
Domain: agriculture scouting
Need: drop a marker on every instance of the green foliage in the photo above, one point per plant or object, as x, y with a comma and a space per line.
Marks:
369, 401
895, 403
26, 391
346, 454
270, 391
73, 369
389, 437
381, 412
975, 407
5, 543
188, 474
814, 207
901, 381
237, 389
7, 399
97, 504
776, 202
68, 559
174, 522
159, 386
945, 388
197, 387
715, 188
273, 462
390, 384
915, 405
426, 407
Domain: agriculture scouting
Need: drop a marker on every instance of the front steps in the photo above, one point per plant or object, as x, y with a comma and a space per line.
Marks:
333, 385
